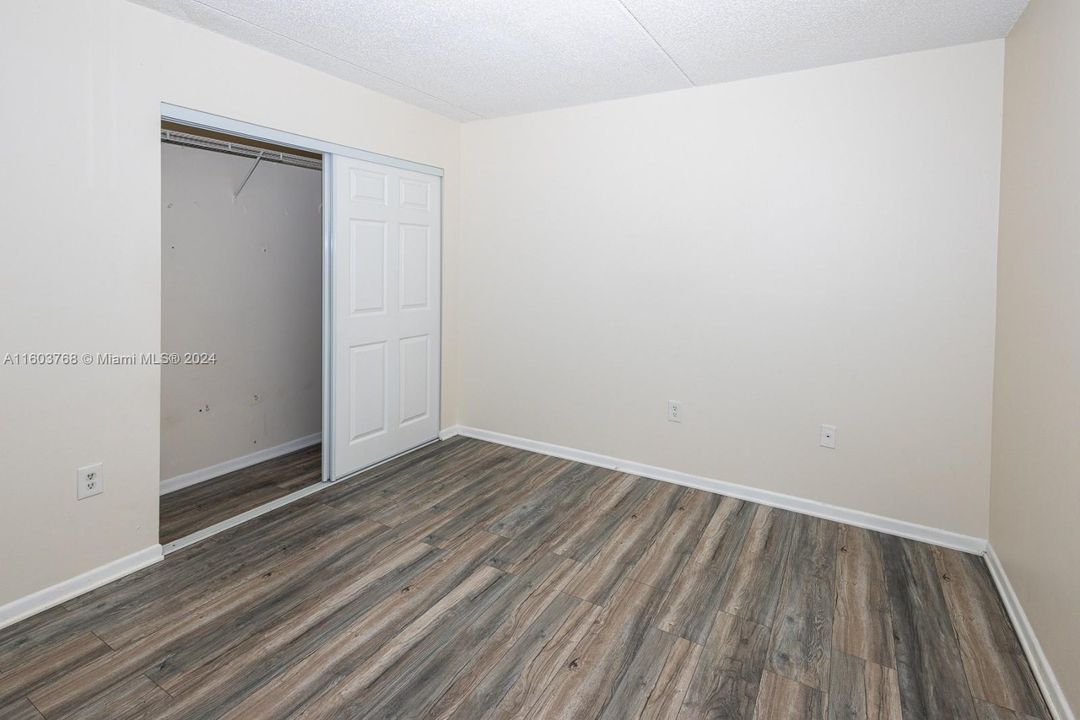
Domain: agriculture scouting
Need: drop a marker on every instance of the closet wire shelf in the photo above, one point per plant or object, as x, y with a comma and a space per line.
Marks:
175, 137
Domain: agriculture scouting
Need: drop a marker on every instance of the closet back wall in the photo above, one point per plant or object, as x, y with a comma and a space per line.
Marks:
243, 280
778, 253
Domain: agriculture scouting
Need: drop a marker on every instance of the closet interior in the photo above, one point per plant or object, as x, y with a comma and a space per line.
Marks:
241, 327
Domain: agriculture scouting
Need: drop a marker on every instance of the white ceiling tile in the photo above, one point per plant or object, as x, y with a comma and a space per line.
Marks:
490, 57
718, 41
485, 58
280, 44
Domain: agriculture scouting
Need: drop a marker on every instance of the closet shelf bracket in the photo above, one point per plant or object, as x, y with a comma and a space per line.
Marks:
258, 159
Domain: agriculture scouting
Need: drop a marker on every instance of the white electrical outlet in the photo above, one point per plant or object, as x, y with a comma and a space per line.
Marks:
828, 436
91, 481
674, 411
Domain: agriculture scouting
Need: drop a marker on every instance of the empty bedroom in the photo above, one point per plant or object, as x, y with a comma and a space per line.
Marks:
656, 359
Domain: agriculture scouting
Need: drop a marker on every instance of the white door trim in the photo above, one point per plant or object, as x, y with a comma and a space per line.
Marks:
229, 523
259, 132
328, 318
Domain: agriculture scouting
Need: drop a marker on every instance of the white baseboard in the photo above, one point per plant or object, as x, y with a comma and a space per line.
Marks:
1040, 666
197, 476
34, 603
890, 526
1044, 674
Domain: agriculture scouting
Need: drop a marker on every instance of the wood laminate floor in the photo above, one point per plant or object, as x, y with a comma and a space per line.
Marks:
469, 580
208, 503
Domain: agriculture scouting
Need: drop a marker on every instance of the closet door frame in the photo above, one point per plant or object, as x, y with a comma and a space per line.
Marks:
209, 121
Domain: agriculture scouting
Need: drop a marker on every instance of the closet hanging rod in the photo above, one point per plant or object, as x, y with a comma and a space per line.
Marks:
175, 137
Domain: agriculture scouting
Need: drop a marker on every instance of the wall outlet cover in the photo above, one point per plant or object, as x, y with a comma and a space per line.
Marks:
91, 481
828, 436
674, 411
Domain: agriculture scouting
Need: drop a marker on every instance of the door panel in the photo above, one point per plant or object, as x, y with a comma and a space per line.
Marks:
367, 391
367, 256
415, 375
386, 290
415, 266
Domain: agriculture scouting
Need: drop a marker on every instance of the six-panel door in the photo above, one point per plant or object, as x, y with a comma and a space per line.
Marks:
386, 310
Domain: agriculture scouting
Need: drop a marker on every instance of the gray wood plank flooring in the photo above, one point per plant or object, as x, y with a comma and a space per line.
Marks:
194, 508
468, 580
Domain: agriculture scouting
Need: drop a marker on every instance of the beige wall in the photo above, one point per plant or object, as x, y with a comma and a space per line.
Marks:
80, 248
778, 253
241, 278
1035, 489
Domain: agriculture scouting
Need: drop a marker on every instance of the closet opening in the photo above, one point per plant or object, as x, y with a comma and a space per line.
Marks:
242, 329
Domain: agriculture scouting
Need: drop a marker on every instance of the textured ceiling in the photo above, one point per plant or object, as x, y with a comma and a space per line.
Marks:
471, 59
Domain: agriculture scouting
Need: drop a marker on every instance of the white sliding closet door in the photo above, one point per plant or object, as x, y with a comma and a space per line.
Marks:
386, 311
